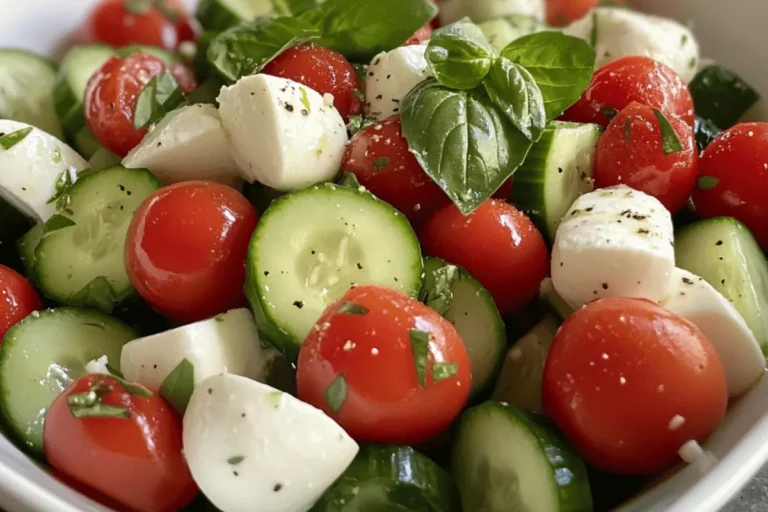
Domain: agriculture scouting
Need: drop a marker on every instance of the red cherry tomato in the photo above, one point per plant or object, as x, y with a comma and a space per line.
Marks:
629, 383
185, 77
421, 36
380, 158
368, 340
186, 247
563, 12
323, 70
734, 178
631, 152
152, 23
110, 100
17, 299
134, 459
497, 244
640, 79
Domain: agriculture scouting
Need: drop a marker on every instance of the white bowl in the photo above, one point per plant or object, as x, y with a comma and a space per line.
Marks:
732, 34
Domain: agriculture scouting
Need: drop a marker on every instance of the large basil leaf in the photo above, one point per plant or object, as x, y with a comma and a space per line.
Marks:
360, 29
561, 65
512, 88
463, 142
247, 48
459, 55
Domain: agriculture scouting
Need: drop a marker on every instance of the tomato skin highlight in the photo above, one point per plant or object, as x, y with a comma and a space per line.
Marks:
19, 299
135, 461
323, 70
635, 78
736, 166
631, 152
186, 248
497, 244
629, 383
385, 402
115, 24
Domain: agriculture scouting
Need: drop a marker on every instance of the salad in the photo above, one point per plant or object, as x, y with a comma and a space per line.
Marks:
342, 255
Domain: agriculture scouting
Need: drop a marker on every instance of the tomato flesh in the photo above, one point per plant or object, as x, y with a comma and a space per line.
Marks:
19, 299
563, 12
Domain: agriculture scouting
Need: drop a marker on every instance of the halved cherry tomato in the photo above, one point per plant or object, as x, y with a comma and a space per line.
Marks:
379, 156
631, 152
186, 247
421, 36
640, 79
497, 244
18, 299
733, 180
403, 368
629, 383
161, 23
323, 70
123, 442
563, 12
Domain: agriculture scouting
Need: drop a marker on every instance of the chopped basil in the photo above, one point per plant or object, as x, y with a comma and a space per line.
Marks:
438, 285
670, 142
358, 123
627, 129
11, 139
234, 461
219, 318
336, 394
133, 389
98, 294
56, 223
305, 99
56, 156
349, 180
114, 371
707, 182
609, 113
420, 348
178, 386
99, 411
66, 179
136, 6
159, 96
351, 308
442, 371
380, 163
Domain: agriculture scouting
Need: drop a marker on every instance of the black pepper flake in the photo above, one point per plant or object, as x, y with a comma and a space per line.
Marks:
594, 292
235, 473
589, 209
313, 252
574, 212
359, 266
277, 487
721, 258
639, 217
560, 170
389, 76
380, 96
370, 73
159, 144
643, 231
121, 187
210, 391
24, 189
154, 366
687, 281
722, 281
395, 100
376, 62
128, 192
266, 273
605, 286
289, 107
242, 415
304, 112
561, 263
719, 242
682, 294
395, 110
299, 304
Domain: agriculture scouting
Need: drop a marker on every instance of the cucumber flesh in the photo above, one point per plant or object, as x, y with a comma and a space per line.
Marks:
726, 255
26, 90
390, 479
79, 260
556, 172
478, 322
506, 459
312, 245
42, 355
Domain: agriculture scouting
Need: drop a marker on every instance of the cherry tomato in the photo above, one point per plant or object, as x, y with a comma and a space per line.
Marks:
124, 444
640, 79
18, 299
497, 244
631, 152
379, 156
110, 100
421, 36
149, 22
323, 70
365, 344
629, 383
185, 77
186, 247
733, 179
563, 12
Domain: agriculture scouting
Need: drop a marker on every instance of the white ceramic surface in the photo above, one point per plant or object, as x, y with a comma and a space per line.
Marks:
732, 33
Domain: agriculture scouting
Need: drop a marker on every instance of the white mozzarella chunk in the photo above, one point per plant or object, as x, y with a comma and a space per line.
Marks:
613, 242
188, 144
452, 11
391, 76
252, 448
228, 343
695, 299
618, 32
282, 134
30, 170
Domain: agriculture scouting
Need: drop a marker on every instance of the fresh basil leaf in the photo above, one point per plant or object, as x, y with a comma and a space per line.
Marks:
514, 91
561, 65
358, 123
7, 141
707, 182
133, 389
705, 132
66, 179
178, 385
352, 308
349, 180
56, 223
721, 96
462, 141
420, 349
234, 461
99, 410
437, 292
443, 371
670, 142
247, 48
159, 96
361, 29
97, 294
336, 394
293, 7
136, 6
459, 55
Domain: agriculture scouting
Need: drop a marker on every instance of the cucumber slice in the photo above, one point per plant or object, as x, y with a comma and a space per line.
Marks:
721, 96
313, 244
42, 355
390, 479
502, 31
26, 90
79, 260
26, 246
556, 172
726, 255
520, 380
705, 132
103, 158
169, 58
477, 320
222, 14
553, 300
504, 459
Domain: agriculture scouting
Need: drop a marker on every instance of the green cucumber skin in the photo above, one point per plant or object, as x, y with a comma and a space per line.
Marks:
721, 96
